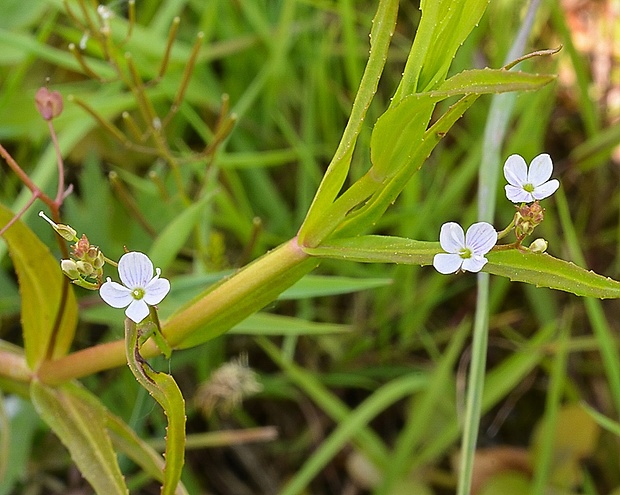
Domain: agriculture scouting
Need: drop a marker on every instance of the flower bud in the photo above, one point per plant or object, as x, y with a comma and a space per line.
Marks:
85, 268
81, 247
64, 231
539, 246
70, 269
527, 218
48, 103
99, 260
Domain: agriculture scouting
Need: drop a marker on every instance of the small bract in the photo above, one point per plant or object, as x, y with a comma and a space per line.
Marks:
527, 185
464, 251
140, 288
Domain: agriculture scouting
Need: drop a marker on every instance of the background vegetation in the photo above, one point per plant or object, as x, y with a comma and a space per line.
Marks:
362, 373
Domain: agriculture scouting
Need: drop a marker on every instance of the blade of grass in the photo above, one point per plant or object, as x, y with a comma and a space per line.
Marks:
494, 134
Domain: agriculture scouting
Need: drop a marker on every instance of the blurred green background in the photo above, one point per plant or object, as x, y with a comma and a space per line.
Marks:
289, 70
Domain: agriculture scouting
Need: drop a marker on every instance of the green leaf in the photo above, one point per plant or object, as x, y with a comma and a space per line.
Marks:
399, 131
358, 220
485, 81
79, 421
165, 391
541, 270
336, 174
139, 451
444, 26
509, 482
47, 320
268, 324
321, 285
596, 151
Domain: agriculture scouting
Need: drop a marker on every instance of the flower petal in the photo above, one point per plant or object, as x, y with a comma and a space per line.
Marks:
115, 294
474, 264
135, 269
447, 263
518, 194
480, 238
156, 290
547, 189
137, 310
541, 169
451, 237
515, 170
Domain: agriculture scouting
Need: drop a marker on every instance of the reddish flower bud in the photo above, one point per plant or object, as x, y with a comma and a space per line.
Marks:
81, 247
48, 103
528, 218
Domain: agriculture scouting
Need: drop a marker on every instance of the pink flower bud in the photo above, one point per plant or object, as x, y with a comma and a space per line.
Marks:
48, 103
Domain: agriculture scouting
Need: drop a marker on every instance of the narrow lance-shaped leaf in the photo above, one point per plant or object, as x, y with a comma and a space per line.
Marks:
49, 308
541, 270
399, 131
357, 221
337, 172
444, 26
79, 421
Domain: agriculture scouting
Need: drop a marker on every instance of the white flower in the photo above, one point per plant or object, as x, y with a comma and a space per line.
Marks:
140, 288
464, 251
526, 186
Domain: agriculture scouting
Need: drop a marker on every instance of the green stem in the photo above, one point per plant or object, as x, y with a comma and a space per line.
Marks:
506, 231
245, 292
497, 123
14, 366
335, 215
475, 386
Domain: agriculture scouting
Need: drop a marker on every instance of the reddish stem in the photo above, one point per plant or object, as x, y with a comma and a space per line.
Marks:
60, 194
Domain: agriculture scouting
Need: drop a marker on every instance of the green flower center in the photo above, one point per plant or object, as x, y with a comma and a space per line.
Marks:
137, 293
528, 188
465, 253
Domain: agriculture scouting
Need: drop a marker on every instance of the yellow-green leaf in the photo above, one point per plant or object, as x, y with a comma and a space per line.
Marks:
79, 421
48, 305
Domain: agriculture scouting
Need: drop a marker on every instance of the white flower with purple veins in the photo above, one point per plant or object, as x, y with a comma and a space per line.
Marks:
140, 288
528, 185
464, 251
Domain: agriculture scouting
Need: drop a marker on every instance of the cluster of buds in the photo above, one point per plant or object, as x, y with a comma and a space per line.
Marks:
85, 268
527, 218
